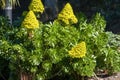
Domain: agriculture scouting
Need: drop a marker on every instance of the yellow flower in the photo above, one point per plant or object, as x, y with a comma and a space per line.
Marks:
30, 21
36, 6
67, 16
78, 51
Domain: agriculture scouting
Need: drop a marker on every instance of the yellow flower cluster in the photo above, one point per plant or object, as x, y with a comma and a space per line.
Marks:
30, 21
78, 51
36, 6
67, 16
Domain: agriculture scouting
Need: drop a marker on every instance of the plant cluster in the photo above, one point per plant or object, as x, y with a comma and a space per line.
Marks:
57, 50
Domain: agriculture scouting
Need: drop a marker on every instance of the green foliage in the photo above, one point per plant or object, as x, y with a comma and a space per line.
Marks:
112, 54
103, 45
4, 27
58, 40
44, 51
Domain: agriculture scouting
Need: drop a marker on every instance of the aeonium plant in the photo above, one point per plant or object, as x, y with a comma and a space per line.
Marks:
45, 51
29, 39
67, 51
24, 49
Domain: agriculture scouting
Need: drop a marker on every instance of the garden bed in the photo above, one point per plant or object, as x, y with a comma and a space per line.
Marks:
68, 48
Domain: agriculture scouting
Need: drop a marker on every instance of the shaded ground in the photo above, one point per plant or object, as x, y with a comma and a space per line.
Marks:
112, 77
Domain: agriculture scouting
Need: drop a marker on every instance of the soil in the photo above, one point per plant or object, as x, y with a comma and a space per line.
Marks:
115, 76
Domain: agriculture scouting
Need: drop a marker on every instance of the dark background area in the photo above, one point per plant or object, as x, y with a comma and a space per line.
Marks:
110, 9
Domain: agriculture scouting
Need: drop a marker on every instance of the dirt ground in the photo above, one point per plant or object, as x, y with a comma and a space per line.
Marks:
112, 77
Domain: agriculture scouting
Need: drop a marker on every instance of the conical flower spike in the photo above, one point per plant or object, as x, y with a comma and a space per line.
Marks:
30, 21
36, 6
67, 16
78, 51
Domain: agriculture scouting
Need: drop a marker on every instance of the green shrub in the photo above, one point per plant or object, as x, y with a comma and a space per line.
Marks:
4, 69
103, 45
44, 51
